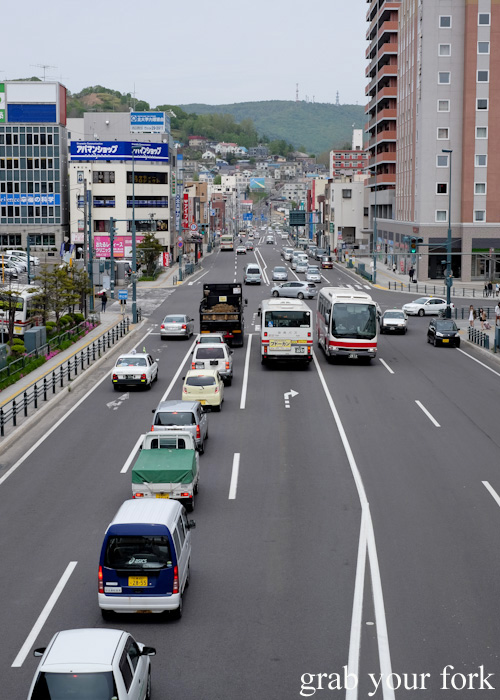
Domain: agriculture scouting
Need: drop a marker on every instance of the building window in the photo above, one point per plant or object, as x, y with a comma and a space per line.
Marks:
481, 132
443, 133
443, 105
479, 188
479, 215
346, 194
441, 188
442, 161
444, 77
483, 18
483, 46
103, 176
483, 76
481, 160
441, 215
482, 103
445, 21
445, 49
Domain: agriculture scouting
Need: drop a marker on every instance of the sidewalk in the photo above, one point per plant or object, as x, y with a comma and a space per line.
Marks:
463, 294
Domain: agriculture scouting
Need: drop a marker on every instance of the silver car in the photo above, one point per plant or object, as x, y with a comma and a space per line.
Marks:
394, 321
301, 266
287, 253
177, 325
280, 274
297, 290
8, 269
188, 415
313, 274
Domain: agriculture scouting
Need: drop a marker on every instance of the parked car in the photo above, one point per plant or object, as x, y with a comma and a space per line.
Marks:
280, 273
8, 269
313, 274
327, 261
425, 306
24, 255
443, 331
298, 290
93, 663
134, 369
20, 263
177, 325
241, 250
205, 386
394, 321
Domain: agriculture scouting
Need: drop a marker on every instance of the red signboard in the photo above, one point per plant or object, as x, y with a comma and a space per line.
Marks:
122, 246
185, 211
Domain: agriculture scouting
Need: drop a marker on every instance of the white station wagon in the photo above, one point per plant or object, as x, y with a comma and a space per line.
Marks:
134, 369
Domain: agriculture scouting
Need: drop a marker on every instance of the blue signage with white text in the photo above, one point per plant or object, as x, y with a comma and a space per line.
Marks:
118, 150
50, 200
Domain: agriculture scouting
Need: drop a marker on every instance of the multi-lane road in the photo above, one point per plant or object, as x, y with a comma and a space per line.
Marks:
361, 526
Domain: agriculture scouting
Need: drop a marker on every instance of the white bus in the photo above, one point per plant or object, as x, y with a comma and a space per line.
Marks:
227, 241
25, 316
346, 323
286, 330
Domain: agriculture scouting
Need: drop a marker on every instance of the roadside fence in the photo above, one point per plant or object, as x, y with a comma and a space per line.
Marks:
436, 290
479, 338
42, 390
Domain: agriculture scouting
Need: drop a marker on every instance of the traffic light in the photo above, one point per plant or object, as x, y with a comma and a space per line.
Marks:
414, 243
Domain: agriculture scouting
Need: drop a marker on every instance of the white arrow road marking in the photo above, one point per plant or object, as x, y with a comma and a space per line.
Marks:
289, 395
115, 405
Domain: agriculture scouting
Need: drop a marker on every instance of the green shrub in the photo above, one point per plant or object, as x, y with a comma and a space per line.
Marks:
50, 326
17, 348
78, 318
66, 320
29, 367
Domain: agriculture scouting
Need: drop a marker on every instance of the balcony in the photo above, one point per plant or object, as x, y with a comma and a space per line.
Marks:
382, 179
390, 47
385, 157
387, 26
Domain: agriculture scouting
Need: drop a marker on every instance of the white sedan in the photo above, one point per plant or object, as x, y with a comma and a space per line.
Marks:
134, 369
426, 306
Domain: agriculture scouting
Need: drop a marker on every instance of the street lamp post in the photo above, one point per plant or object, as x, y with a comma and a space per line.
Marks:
448, 243
134, 248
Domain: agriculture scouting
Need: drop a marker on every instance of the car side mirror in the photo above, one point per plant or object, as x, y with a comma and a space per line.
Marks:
183, 378
148, 651
191, 524
39, 652
231, 352
154, 410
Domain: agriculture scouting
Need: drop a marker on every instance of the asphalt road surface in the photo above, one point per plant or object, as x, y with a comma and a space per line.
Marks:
361, 528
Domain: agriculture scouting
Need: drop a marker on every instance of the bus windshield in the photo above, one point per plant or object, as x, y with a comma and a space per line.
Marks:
354, 321
287, 319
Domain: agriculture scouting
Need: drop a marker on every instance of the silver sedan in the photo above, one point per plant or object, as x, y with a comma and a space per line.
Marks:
313, 274
177, 325
280, 273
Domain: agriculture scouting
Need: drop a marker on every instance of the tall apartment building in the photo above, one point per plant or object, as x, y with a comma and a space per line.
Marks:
381, 110
33, 164
448, 102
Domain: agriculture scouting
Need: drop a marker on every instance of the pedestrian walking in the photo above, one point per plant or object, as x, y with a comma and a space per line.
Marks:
485, 289
482, 318
104, 301
490, 288
411, 272
394, 267
497, 314
472, 316
497, 289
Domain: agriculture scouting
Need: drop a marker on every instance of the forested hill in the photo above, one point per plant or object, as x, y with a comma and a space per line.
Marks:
313, 126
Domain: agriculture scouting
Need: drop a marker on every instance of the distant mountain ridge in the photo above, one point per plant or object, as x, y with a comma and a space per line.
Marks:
317, 126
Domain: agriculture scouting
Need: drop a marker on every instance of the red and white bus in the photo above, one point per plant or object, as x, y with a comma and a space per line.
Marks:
227, 241
346, 323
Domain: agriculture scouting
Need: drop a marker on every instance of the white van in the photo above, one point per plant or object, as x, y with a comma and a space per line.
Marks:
253, 274
145, 558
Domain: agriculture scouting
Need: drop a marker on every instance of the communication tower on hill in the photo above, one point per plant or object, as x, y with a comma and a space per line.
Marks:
337, 99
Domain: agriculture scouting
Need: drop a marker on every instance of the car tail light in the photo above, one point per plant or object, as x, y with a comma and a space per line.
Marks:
162, 325
308, 335
138, 495
216, 389
115, 377
185, 495
184, 390
101, 584
198, 432
265, 334
143, 377
152, 428
265, 349
175, 589
227, 365
184, 326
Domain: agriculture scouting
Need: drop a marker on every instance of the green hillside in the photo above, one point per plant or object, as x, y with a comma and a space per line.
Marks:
316, 126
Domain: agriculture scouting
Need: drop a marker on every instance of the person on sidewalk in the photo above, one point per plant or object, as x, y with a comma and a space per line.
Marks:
485, 289
394, 267
472, 316
411, 272
497, 314
104, 301
497, 289
490, 288
482, 317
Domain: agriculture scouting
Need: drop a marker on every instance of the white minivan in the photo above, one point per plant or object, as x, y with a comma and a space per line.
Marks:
145, 558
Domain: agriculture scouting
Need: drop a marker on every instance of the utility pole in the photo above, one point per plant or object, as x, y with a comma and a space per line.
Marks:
91, 253
448, 244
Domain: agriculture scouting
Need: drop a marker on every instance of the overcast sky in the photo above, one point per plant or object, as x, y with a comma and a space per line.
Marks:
192, 51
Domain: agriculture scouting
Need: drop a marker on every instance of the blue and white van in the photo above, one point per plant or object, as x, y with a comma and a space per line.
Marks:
145, 558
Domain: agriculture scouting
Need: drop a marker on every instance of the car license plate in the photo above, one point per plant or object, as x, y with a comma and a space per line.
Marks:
112, 589
446, 340
199, 365
280, 344
300, 349
203, 403
130, 376
162, 495
137, 580
353, 355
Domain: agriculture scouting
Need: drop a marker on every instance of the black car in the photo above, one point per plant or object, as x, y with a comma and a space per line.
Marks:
443, 331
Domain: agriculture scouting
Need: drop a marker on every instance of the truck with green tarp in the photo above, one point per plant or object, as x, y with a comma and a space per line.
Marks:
167, 467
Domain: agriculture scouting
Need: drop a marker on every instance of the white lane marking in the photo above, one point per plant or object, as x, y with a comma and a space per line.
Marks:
429, 416
131, 456
366, 286
42, 618
289, 395
492, 491
478, 362
325, 278
386, 365
234, 476
195, 281
378, 597
245, 374
357, 609
349, 286
257, 327
60, 421
264, 267
176, 375
234, 281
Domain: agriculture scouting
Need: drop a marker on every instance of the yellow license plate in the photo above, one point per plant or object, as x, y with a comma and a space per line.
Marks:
280, 344
138, 581
445, 340
203, 403
162, 495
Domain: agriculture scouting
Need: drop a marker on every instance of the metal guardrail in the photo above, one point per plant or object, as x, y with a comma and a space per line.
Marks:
479, 338
428, 289
40, 390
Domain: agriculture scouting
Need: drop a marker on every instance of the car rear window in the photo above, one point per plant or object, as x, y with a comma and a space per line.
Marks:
132, 552
131, 362
175, 418
52, 686
253, 271
200, 381
210, 354
174, 319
